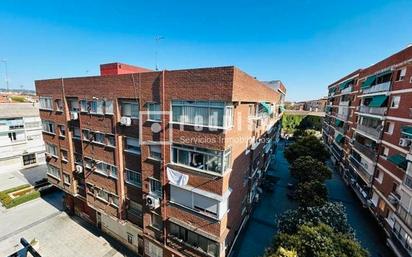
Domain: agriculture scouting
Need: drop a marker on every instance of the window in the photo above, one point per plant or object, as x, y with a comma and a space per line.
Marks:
195, 240
134, 178
154, 111
135, 208
130, 238
29, 159
202, 158
110, 141
100, 107
130, 109
12, 136
153, 250
64, 155
78, 159
395, 101
46, 103
51, 149
114, 200
385, 152
155, 187
132, 145
76, 132
98, 138
155, 152
74, 105
53, 171
102, 195
32, 124
83, 106
156, 221
400, 74
66, 179
62, 130
202, 113
108, 105
86, 135
106, 169
59, 105
48, 126
389, 127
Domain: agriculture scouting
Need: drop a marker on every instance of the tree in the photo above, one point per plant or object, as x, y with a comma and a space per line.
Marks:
300, 133
332, 214
311, 122
318, 241
309, 194
306, 169
310, 145
282, 252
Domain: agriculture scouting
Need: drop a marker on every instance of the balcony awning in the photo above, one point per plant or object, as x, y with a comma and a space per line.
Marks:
345, 84
266, 107
378, 101
339, 138
398, 160
384, 73
407, 131
338, 123
368, 82
332, 90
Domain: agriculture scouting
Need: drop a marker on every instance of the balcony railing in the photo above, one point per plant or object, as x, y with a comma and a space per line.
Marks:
342, 116
346, 90
405, 215
400, 243
408, 181
372, 110
342, 129
362, 170
374, 132
337, 152
369, 152
383, 87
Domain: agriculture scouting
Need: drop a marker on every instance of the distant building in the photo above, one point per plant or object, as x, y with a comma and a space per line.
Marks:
21, 142
318, 105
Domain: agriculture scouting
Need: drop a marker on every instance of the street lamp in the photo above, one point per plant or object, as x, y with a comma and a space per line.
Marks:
7, 75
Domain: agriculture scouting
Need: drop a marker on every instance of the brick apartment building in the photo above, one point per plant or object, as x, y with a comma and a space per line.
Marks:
368, 129
167, 162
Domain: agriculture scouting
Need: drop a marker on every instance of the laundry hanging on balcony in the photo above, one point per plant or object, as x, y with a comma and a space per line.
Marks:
177, 178
399, 160
378, 101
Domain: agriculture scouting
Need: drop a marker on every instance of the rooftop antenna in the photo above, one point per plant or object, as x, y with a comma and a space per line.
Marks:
157, 38
6, 74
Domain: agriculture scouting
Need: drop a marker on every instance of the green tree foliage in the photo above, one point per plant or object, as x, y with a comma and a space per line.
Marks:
332, 214
290, 122
306, 169
282, 252
310, 146
318, 241
311, 122
309, 194
300, 133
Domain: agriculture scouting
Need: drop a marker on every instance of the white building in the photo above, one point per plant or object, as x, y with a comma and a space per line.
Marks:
21, 142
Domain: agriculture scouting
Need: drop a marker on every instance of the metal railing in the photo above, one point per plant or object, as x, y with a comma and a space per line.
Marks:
346, 90
374, 132
383, 87
372, 110
342, 116
362, 171
368, 151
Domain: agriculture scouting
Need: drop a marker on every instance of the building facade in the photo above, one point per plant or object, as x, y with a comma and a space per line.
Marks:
368, 129
21, 142
167, 162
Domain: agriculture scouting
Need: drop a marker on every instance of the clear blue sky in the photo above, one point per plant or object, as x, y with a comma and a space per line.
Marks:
306, 44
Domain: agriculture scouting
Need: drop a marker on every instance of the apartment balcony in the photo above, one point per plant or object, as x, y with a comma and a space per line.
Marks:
338, 153
408, 181
342, 129
400, 244
404, 215
372, 110
346, 90
342, 116
373, 132
365, 173
369, 152
383, 87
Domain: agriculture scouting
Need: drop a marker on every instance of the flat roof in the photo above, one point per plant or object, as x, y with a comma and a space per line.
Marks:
12, 110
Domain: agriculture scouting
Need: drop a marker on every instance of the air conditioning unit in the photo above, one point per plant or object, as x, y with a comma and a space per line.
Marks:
126, 121
74, 115
393, 199
405, 142
79, 168
152, 202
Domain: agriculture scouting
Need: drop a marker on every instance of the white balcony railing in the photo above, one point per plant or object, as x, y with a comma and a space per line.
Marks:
374, 132
383, 87
346, 90
372, 110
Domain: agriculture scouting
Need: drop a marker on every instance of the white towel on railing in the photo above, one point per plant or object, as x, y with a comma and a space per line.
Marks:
176, 177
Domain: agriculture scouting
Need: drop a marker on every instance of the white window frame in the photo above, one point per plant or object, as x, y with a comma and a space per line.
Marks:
66, 179
128, 140
108, 107
153, 110
48, 127
63, 157
155, 152
395, 103
131, 182
402, 74
52, 150
46, 103
53, 171
59, 105
123, 104
152, 187
109, 143
391, 127
77, 133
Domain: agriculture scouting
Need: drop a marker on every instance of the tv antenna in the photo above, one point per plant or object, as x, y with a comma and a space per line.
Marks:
157, 39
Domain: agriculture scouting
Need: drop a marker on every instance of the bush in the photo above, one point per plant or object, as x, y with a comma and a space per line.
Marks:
306, 169
9, 202
22, 199
313, 193
307, 146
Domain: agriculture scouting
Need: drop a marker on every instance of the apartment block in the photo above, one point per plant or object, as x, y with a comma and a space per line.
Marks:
368, 129
167, 162
21, 142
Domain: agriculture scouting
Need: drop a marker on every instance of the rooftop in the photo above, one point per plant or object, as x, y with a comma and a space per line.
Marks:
12, 110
